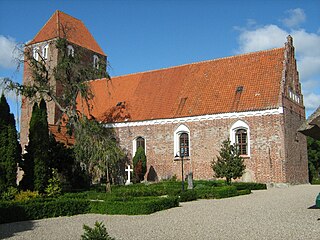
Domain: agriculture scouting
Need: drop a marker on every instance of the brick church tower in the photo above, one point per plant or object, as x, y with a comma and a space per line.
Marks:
43, 48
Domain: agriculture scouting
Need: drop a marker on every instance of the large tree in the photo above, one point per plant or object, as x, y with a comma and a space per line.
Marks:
104, 154
37, 158
72, 74
10, 150
229, 163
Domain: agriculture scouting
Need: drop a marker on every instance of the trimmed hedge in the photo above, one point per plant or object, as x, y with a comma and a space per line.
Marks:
249, 185
217, 192
41, 208
134, 206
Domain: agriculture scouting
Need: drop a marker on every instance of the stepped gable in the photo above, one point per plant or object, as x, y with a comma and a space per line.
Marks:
77, 33
247, 82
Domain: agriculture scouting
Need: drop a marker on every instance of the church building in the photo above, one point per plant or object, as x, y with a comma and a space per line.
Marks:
187, 111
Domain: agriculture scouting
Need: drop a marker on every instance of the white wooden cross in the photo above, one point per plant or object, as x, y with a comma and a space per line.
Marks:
129, 170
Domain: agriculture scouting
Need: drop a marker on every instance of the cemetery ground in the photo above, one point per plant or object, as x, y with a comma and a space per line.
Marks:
286, 213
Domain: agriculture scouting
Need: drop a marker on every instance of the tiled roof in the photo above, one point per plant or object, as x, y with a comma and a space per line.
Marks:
61, 135
208, 87
77, 32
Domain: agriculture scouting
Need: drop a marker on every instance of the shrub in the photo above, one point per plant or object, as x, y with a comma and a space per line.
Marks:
139, 165
189, 195
134, 206
54, 186
229, 163
9, 194
249, 185
41, 208
217, 192
99, 232
26, 195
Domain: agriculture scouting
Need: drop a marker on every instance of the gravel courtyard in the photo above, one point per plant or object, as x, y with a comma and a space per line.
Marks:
286, 213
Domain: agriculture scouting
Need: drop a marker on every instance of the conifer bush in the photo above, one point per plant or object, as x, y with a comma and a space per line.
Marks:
98, 232
139, 165
229, 163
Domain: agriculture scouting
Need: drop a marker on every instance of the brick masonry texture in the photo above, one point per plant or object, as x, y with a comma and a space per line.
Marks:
267, 163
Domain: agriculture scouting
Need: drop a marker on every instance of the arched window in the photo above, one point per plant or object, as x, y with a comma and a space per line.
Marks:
242, 141
70, 50
138, 142
45, 52
240, 136
96, 61
35, 53
182, 144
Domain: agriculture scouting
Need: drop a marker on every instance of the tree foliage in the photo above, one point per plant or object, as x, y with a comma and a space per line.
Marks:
313, 158
229, 163
36, 158
98, 147
139, 165
94, 144
10, 150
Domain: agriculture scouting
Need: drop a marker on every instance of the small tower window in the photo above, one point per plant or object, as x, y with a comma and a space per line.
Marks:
96, 61
70, 50
45, 52
35, 53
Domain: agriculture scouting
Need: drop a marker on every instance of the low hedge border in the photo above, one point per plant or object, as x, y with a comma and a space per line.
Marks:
134, 206
38, 209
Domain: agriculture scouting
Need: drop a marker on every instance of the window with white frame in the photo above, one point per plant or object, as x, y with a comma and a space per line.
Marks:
182, 141
70, 51
138, 142
35, 53
45, 52
240, 136
96, 61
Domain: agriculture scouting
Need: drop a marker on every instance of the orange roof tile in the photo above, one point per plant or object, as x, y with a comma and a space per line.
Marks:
202, 88
61, 135
77, 32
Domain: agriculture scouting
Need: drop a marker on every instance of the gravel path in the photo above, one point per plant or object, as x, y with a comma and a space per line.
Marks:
273, 214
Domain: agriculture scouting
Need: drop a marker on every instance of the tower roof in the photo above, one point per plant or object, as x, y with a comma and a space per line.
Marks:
63, 25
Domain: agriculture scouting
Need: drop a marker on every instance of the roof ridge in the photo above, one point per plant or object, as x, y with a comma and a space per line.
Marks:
30, 42
195, 63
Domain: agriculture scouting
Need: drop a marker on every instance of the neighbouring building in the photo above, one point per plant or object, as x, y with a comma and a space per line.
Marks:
253, 99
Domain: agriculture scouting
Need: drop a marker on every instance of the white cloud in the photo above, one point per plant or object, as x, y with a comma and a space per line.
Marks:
8, 55
311, 101
266, 37
306, 46
295, 18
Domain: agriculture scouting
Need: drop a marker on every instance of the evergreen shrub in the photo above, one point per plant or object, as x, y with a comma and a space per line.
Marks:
188, 195
249, 185
134, 206
26, 195
41, 208
98, 232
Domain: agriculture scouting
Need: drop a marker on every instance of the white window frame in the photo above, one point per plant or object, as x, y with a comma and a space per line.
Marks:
70, 50
35, 53
45, 52
134, 145
176, 139
95, 61
240, 125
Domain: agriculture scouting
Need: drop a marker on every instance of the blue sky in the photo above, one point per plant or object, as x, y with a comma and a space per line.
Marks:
141, 35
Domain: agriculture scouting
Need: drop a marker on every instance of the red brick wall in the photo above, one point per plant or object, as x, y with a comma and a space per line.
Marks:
268, 149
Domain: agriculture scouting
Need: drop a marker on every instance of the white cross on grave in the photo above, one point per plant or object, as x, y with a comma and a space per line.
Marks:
128, 170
